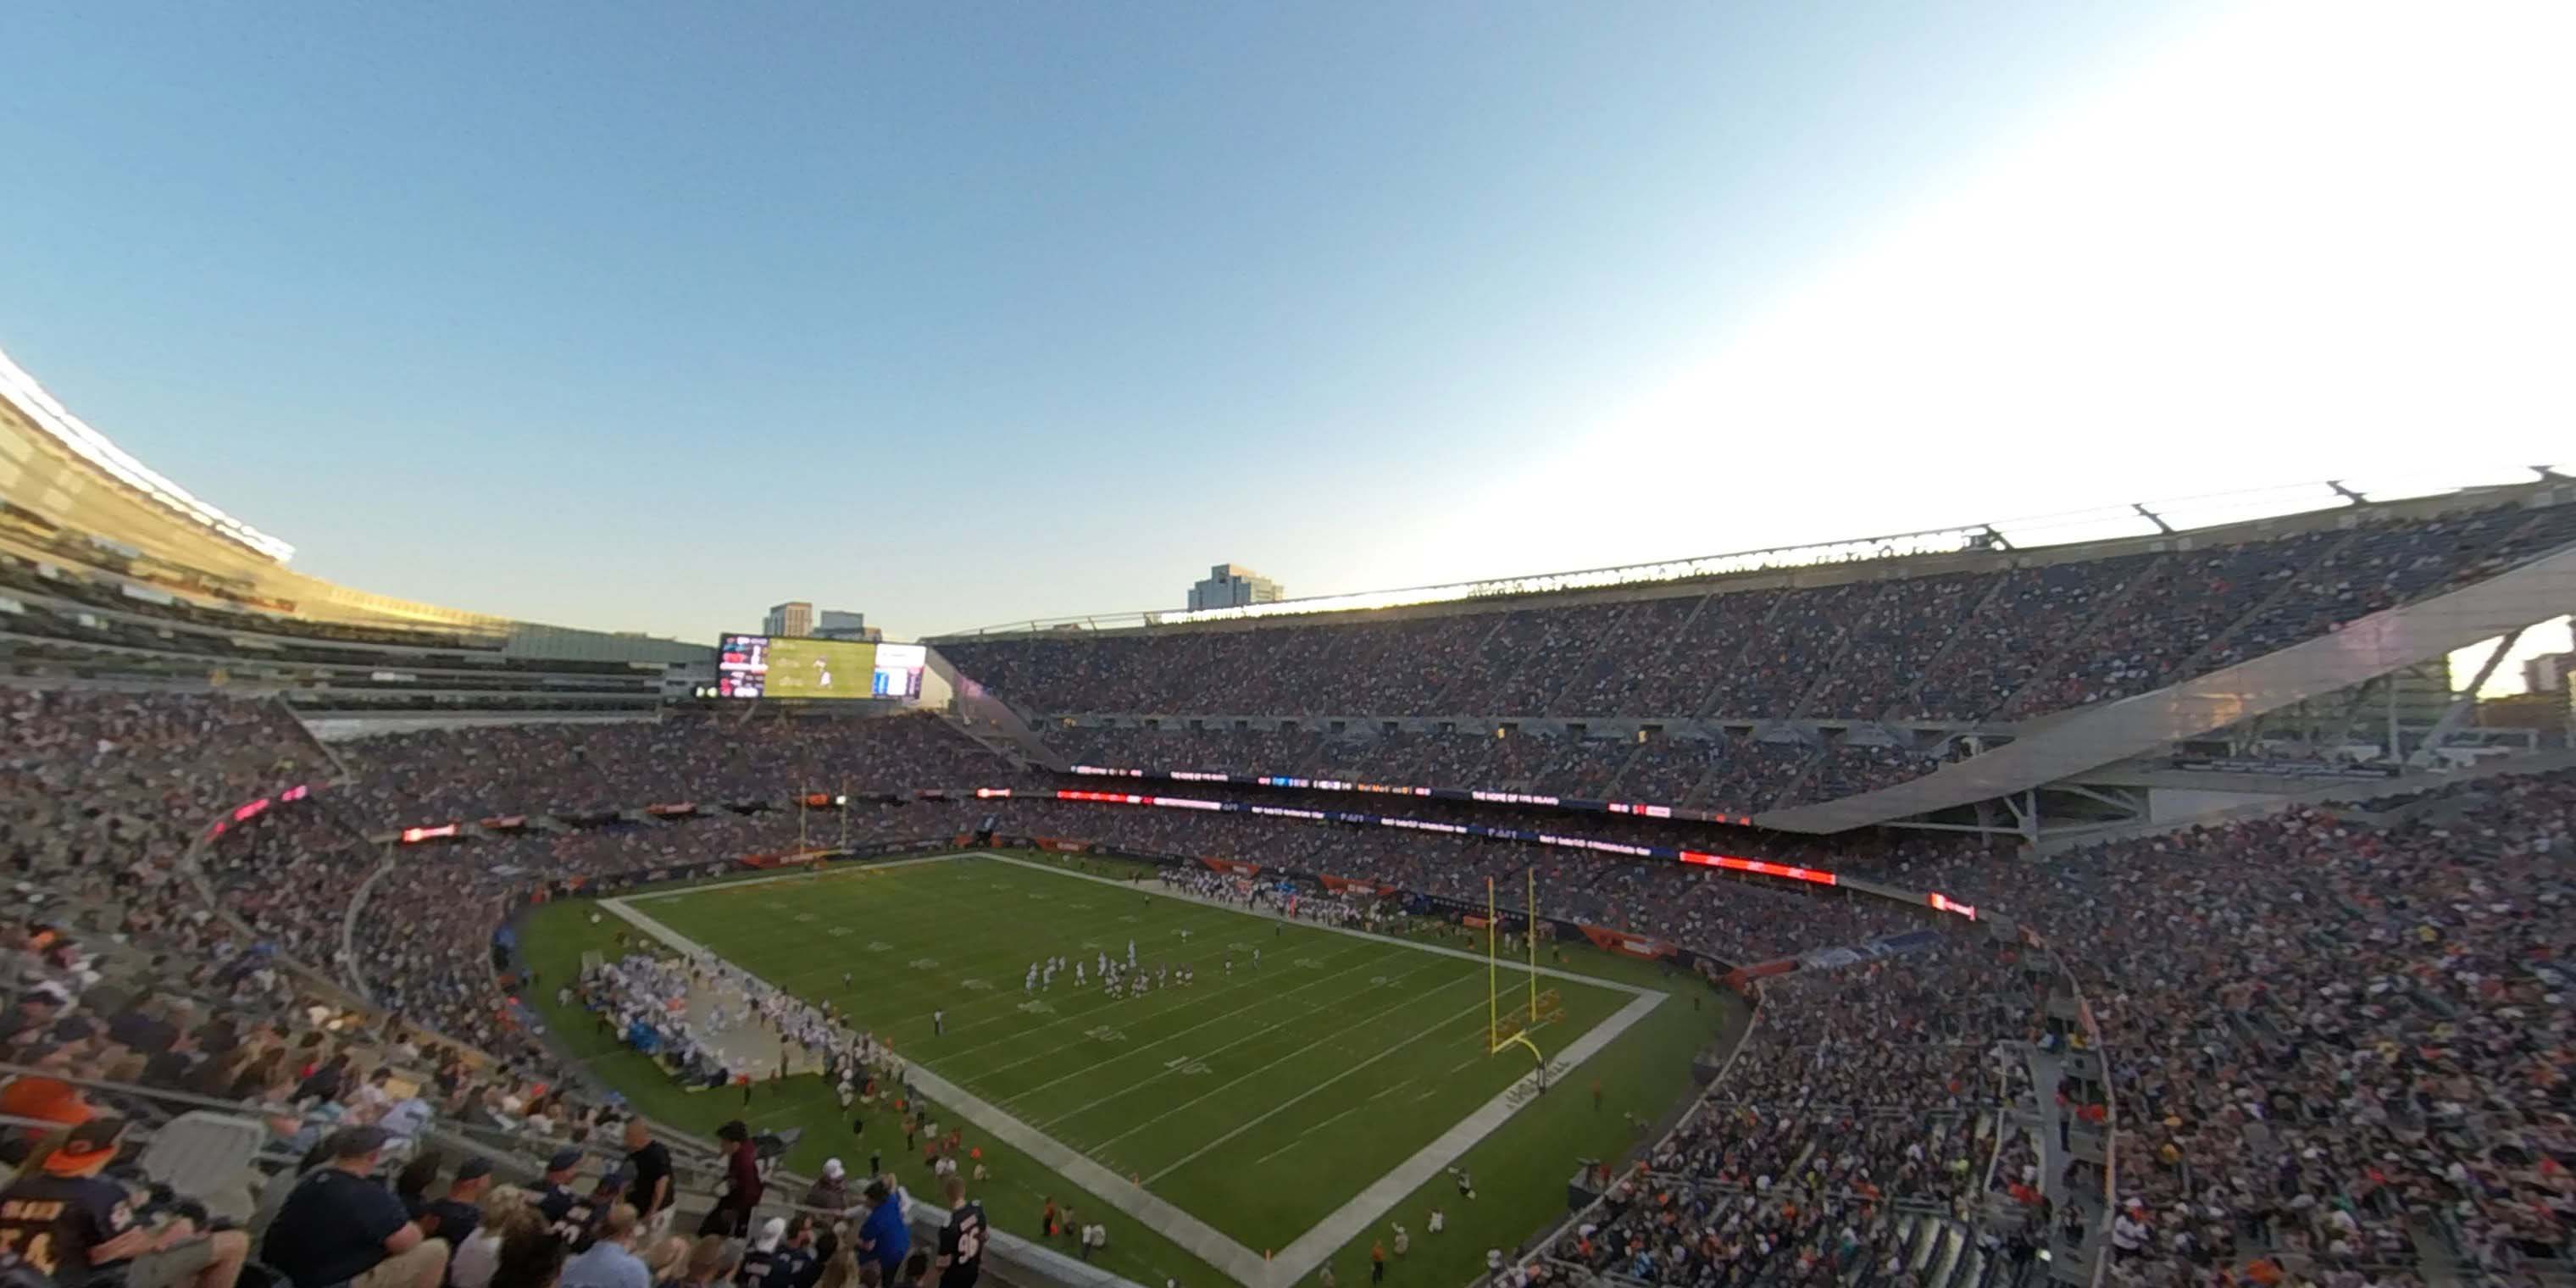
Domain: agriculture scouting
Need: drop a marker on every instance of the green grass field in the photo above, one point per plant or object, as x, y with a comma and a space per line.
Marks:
1259, 1100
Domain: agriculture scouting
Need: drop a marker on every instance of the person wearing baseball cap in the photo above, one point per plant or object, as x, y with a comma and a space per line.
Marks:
832, 1190
33, 1095
454, 1217
79, 1227
341, 1226
555, 1199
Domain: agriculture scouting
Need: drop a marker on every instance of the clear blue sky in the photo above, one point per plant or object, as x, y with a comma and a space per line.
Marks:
646, 315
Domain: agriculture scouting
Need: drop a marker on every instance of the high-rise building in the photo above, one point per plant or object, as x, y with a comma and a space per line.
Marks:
1233, 586
833, 624
795, 617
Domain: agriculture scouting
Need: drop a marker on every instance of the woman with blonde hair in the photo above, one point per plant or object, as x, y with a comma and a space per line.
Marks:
668, 1259
506, 1211
842, 1271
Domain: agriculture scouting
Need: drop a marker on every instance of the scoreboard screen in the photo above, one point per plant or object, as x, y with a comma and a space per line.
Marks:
899, 670
761, 666
742, 666
806, 668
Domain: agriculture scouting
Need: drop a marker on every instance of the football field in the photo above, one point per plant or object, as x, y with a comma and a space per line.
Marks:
1262, 1117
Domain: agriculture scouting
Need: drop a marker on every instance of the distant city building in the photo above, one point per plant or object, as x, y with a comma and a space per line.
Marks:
833, 624
795, 617
1233, 586
2547, 673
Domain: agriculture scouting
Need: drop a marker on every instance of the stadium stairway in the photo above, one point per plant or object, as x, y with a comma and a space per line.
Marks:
2364, 649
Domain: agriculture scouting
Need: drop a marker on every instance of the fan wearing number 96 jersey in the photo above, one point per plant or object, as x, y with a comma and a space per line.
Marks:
961, 1241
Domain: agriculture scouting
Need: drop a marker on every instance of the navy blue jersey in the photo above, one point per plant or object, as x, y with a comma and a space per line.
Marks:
961, 1245
57, 1223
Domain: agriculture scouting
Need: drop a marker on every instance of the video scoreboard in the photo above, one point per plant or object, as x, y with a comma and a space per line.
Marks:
760, 666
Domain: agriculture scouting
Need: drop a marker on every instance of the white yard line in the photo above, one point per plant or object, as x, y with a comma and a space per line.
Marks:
1363, 1211
1363, 1022
1205, 1241
1308, 1013
1461, 954
1293, 1101
746, 883
1190, 1005
1300, 1138
1244, 1265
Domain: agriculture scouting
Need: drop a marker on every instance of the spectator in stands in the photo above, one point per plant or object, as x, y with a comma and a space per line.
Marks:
532, 1259
883, 1238
731, 1215
648, 1163
712, 1260
831, 1191
506, 1212
80, 1228
341, 1226
51, 1099
611, 1261
455, 1216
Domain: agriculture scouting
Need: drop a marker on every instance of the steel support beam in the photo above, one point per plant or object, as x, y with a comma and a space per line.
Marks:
2462, 702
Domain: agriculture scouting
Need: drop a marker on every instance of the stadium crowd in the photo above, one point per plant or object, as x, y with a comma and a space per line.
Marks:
2332, 1041
471, 773
1723, 774
1862, 1115
1951, 648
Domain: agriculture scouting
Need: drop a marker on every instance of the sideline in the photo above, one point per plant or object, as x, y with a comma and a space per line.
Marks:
1209, 1244
1203, 1240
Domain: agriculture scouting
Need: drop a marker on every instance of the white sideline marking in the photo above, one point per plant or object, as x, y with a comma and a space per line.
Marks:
1335, 1035
1308, 1013
1365, 1208
1301, 1136
1285, 1105
1245, 1266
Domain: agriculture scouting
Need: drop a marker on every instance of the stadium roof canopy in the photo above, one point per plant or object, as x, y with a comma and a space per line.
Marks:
2105, 523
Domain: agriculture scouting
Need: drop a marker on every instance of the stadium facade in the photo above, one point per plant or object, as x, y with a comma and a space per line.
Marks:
1981, 677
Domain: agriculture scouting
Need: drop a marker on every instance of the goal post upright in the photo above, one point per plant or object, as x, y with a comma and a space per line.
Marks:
1493, 987
1529, 931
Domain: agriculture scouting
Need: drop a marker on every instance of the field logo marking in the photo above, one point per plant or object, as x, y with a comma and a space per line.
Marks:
923, 963
1104, 1033
975, 985
879, 946
838, 931
1035, 1007
1185, 1066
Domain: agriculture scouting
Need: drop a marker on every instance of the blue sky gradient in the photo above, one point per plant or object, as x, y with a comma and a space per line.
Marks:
988, 312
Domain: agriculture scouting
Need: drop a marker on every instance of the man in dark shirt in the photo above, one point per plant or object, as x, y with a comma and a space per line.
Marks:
142, 1028
340, 1226
731, 1216
174, 1064
650, 1190
567, 1211
325, 1082
454, 1217
796, 1265
64, 1219
961, 1241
